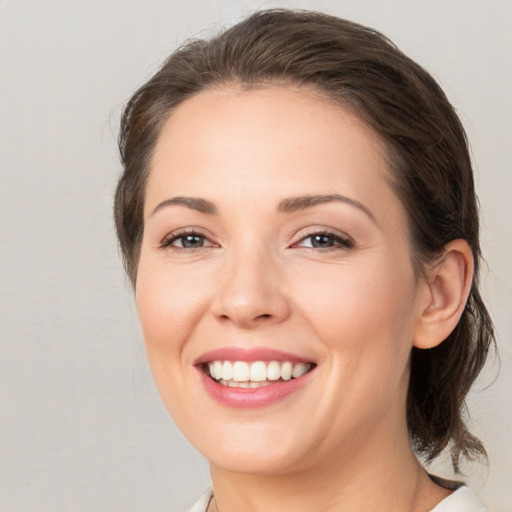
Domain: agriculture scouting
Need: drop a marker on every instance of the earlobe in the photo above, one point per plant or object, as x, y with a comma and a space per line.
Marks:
447, 290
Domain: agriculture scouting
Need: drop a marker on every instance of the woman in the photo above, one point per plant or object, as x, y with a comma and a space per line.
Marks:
298, 218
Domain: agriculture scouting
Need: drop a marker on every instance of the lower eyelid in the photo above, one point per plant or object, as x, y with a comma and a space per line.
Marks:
167, 242
339, 241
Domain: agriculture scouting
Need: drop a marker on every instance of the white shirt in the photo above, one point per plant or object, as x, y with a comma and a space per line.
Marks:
461, 500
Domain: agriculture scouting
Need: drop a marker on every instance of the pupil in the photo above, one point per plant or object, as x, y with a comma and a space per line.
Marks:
322, 241
191, 241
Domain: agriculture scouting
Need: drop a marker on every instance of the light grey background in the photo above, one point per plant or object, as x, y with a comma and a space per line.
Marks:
81, 425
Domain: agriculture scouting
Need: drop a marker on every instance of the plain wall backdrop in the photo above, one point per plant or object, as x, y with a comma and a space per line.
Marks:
81, 425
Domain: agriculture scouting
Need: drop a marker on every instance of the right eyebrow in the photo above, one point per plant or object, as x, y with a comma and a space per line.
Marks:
195, 203
293, 204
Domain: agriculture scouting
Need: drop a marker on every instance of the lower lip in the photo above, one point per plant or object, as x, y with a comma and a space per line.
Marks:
252, 397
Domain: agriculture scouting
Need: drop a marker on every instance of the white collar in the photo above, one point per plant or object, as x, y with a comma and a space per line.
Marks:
461, 500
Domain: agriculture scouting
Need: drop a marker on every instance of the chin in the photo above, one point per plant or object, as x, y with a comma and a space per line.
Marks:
252, 450
251, 463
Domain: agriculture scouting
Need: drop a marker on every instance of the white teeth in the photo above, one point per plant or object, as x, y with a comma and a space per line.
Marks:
250, 384
299, 370
217, 369
258, 371
240, 371
286, 371
257, 374
273, 370
227, 370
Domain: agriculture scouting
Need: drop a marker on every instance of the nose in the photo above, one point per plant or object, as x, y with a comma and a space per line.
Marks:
250, 292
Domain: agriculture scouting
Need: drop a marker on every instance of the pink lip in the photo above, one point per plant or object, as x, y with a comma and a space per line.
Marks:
251, 398
249, 355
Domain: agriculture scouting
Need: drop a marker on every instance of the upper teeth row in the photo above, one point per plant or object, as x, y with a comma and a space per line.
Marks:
259, 371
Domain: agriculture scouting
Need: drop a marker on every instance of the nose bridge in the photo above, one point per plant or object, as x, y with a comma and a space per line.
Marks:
250, 290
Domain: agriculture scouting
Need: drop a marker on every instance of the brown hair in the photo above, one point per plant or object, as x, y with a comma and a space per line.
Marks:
362, 70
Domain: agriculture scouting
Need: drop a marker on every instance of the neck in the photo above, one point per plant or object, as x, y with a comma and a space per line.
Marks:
384, 476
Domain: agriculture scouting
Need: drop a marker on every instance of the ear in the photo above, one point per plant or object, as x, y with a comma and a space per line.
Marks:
447, 290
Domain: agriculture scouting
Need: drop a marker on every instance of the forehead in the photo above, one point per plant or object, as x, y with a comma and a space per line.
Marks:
267, 141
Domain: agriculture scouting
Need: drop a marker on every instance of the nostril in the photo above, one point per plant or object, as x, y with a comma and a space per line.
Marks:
263, 317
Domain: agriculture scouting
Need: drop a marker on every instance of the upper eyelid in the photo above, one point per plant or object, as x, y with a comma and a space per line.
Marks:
300, 235
167, 240
339, 243
193, 230
318, 230
342, 241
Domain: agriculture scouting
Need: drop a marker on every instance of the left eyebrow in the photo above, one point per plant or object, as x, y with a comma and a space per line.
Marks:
194, 203
293, 204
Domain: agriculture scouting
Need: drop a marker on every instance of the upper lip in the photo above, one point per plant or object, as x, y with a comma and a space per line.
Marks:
249, 355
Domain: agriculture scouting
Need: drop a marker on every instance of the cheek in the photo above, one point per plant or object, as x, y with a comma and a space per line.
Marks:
364, 315
169, 306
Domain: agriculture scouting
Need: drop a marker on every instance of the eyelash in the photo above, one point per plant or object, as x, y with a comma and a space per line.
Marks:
338, 241
167, 242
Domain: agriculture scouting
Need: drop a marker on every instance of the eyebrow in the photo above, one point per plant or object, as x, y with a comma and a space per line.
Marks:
288, 205
195, 203
293, 204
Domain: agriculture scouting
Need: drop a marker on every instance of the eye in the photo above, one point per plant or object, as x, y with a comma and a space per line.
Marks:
324, 240
189, 240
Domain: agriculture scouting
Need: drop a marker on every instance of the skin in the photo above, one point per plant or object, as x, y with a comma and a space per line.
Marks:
254, 280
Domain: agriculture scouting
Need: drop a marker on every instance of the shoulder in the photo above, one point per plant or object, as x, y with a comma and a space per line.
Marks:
461, 500
203, 502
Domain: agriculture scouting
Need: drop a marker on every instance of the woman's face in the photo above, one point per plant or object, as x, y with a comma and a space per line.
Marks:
274, 244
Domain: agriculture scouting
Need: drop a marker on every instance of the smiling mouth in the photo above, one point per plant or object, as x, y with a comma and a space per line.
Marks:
242, 374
